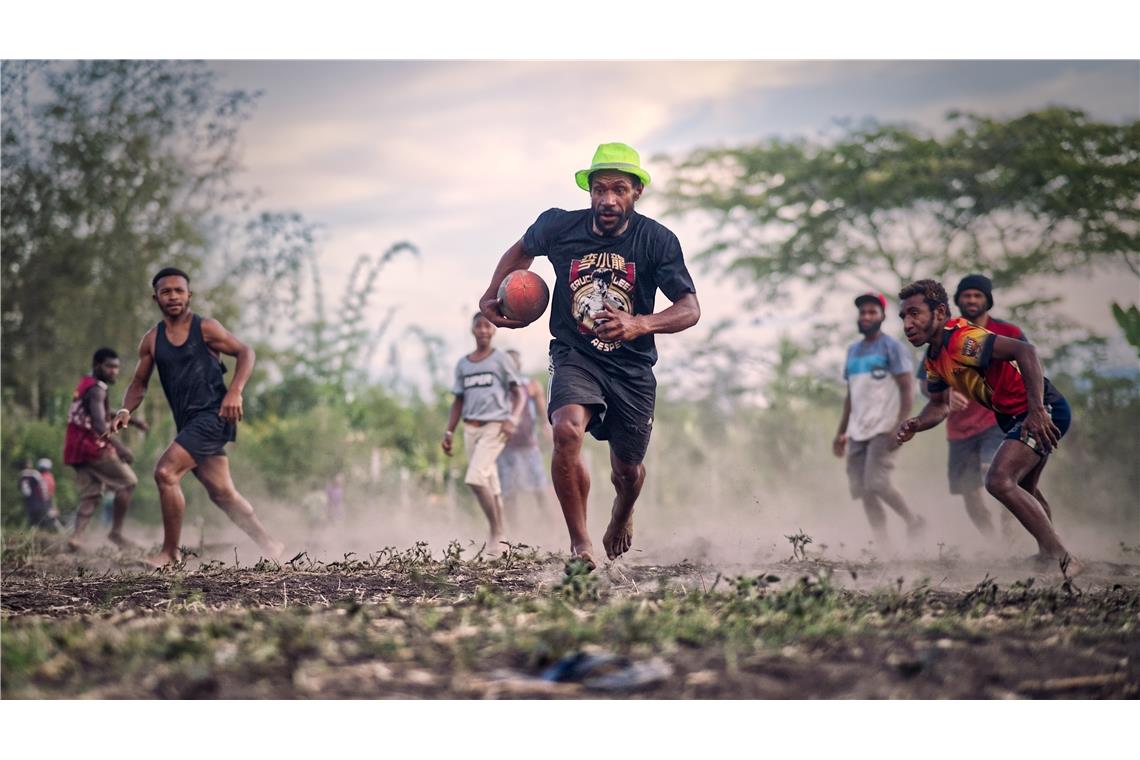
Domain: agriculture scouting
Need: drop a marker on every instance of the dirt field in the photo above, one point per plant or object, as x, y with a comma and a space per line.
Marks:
455, 624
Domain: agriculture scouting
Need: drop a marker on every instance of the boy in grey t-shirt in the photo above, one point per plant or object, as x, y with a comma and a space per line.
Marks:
489, 400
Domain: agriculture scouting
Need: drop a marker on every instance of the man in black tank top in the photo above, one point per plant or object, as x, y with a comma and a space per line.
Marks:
185, 348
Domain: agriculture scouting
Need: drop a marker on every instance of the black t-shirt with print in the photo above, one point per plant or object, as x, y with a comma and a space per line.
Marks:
590, 270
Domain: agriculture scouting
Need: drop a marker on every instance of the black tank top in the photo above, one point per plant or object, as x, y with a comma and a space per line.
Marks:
191, 375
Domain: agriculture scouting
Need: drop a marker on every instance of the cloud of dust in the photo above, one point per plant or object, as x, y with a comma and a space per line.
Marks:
731, 510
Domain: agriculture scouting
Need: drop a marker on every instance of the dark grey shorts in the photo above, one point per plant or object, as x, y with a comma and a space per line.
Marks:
206, 435
869, 464
968, 456
622, 406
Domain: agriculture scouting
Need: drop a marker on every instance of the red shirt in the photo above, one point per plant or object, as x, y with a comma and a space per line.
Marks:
976, 418
963, 362
81, 445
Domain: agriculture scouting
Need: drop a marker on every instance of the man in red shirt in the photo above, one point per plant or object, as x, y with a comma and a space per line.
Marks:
100, 463
972, 430
1005, 376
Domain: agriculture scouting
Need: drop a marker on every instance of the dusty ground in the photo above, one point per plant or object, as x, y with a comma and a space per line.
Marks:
457, 624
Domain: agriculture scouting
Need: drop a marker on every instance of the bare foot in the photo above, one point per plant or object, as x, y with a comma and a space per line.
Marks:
274, 551
1041, 562
1071, 567
585, 554
121, 541
618, 536
75, 546
917, 527
162, 559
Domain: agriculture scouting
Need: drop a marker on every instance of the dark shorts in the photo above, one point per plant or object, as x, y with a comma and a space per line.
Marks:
622, 407
869, 464
206, 435
969, 455
1058, 409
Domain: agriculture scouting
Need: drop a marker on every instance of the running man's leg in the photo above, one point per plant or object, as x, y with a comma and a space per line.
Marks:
876, 516
107, 474
629, 429
124, 489
857, 456
895, 501
627, 479
214, 473
508, 464
571, 478
1012, 465
977, 512
1013, 479
1030, 483
484, 444
965, 468
90, 495
171, 467
991, 441
881, 452
121, 505
492, 506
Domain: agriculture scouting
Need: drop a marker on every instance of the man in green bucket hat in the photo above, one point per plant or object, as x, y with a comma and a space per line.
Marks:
609, 262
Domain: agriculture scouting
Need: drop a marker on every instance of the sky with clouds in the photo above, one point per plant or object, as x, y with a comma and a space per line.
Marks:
460, 157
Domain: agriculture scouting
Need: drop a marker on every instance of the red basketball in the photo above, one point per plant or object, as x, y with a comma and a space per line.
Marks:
523, 296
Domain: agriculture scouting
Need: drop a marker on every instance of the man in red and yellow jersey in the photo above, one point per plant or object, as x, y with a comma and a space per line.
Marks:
972, 432
1005, 376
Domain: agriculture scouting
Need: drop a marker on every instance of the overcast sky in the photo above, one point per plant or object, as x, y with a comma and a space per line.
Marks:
459, 158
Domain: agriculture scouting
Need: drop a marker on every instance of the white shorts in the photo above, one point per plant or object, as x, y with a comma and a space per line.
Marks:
484, 443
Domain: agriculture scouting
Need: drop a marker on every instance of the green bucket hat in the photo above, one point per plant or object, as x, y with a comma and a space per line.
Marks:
614, 157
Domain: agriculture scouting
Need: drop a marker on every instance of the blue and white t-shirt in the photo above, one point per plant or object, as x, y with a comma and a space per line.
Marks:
870, 374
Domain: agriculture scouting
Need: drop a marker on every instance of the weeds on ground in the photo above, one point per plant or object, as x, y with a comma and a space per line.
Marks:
799, 542
292, 627
578, 584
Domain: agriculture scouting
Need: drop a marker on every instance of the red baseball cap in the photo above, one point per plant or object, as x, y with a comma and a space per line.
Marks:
878, 298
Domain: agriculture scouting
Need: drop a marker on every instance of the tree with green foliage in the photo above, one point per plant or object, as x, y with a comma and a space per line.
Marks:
1049, 192
111, 170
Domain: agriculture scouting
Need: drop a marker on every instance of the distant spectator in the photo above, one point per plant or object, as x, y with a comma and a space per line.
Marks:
489, 401
38, 493
522, 472
43, 466
879, 396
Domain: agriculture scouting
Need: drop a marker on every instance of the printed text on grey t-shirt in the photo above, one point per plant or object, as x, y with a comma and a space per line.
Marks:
484, 386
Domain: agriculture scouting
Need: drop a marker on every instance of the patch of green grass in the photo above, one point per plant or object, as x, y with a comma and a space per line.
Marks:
468, 617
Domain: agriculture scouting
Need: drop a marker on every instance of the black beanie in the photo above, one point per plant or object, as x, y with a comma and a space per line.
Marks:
976, 282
